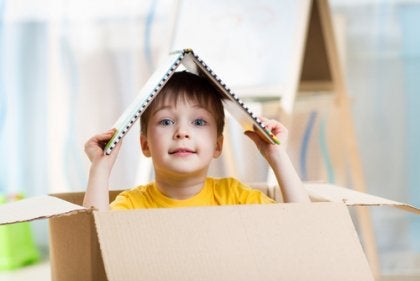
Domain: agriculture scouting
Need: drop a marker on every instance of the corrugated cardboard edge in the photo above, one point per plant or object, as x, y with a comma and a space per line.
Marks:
332, 193
248, 242
35, 208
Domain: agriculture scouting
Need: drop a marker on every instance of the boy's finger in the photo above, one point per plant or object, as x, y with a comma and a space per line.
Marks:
105, 136
255, 137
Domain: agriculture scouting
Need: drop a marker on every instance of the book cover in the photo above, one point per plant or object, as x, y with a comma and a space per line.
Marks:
192, 63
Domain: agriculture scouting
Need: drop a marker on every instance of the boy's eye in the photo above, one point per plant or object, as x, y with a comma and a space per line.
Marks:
200, 122
166, 122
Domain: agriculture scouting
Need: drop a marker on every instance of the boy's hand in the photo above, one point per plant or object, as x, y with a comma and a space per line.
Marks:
97, 190
290, 184
267, 149
94, 149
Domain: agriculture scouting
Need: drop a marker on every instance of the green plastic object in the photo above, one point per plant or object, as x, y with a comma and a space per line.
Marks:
17, 247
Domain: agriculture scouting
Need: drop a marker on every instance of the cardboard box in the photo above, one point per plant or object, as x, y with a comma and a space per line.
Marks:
249, 242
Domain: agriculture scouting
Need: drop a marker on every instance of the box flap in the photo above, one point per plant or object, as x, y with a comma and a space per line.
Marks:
350, 197
34, 208
249, 242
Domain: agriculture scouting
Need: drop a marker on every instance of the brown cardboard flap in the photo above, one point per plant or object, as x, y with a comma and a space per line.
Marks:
37, 208
249, 242
350, 197
74, 245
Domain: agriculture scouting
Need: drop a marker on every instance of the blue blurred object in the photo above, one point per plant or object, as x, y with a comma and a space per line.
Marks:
410, 18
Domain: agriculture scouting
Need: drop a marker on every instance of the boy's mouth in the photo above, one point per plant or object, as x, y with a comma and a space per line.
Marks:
181, 151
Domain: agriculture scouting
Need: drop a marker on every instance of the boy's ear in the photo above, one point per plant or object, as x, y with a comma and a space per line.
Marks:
219, 147
144, 145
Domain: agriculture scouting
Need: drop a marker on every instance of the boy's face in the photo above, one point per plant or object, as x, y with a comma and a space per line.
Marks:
181, 139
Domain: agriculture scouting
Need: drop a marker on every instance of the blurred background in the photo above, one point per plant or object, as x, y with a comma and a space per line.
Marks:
68, 69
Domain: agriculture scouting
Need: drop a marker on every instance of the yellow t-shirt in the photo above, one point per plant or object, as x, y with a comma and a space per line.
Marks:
224, 191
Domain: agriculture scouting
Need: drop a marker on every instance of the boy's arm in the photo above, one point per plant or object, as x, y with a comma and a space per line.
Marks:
97, 194
289, 181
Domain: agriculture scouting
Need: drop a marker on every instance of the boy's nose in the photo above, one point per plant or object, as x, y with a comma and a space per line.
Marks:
182, 133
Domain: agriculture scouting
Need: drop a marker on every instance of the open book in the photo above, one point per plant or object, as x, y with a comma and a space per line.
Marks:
194, 64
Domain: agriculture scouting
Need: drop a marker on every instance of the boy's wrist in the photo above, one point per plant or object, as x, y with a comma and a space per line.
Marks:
99, 168
275, 158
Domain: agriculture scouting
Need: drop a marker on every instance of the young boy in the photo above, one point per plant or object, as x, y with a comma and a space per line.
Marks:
182, 131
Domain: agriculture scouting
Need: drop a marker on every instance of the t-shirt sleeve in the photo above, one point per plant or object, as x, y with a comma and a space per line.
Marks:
122, 202
248, 195
257, 197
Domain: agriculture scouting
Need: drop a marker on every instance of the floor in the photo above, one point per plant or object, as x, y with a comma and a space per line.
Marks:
41, 271
36, 272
